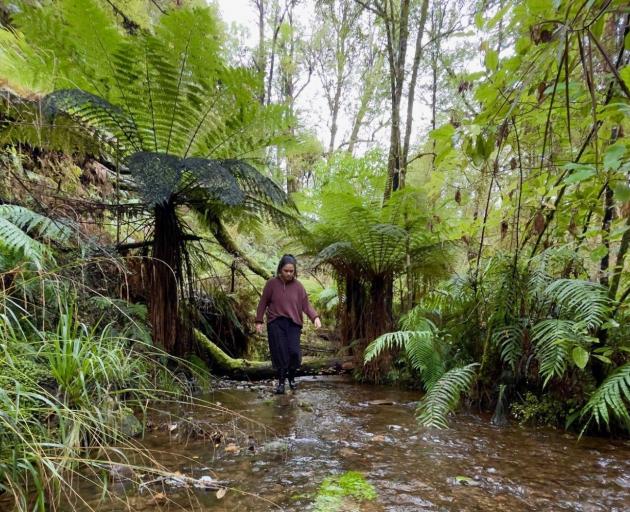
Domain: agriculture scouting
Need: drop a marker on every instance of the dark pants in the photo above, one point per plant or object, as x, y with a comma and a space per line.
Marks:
284, 343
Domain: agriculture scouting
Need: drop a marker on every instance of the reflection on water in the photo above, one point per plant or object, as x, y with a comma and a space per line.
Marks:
331, 426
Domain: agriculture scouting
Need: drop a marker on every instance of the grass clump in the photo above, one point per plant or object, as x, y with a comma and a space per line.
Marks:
70, 399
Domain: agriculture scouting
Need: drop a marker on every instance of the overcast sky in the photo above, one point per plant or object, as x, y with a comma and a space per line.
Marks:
312, 104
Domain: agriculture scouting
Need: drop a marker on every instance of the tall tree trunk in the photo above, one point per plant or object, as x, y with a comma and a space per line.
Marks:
412, 89
396, 54
608, 215
334, 115
261, 53
367, 94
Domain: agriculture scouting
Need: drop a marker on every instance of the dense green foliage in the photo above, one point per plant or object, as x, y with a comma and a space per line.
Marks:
483, 259
178, 117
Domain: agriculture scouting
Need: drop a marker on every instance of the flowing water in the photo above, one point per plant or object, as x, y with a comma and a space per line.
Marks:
331, 426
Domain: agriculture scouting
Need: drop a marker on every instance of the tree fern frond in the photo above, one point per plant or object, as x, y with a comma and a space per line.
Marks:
444, 396
339, 255
613, 396
255, 184
285, 218
22, 121
94, 111
217, 182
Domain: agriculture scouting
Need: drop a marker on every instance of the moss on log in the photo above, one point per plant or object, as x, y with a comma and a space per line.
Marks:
223, 364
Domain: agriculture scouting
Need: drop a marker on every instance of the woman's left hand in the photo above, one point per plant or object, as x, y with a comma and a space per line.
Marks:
318, 323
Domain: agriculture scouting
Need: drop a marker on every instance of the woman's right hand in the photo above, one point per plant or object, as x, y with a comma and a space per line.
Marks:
259, 328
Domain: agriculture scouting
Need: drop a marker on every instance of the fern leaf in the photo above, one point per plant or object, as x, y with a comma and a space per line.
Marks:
444, 396
553, 339
613, 396
96, 112
585, 301
14, 240
425, 357
17, 224
419, 347
388, 341
510, 341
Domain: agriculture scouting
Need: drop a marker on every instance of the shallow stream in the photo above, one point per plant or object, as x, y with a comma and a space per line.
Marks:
331, 426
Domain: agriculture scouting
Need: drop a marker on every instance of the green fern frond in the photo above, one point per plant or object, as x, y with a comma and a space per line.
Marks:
23, 121
255, 184
338, 254
93, 111
553, 339
613, 396
419, 346
585, 301
286, 218
15, 240
444, 396
426, 357
18, 224
415, 319
33, 222
390, 341
510, 341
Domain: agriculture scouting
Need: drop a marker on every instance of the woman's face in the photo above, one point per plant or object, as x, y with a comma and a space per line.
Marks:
288, 272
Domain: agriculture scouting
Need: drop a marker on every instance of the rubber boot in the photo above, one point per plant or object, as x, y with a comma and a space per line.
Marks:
292, 383
281, 376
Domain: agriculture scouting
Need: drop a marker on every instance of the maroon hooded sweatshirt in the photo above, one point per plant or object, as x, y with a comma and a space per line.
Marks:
284, 299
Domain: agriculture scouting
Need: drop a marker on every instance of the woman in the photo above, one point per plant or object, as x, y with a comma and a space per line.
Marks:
285, 299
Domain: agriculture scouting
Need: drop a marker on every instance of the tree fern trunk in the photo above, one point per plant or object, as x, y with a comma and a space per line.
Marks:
352, 325
166, 270
378, 320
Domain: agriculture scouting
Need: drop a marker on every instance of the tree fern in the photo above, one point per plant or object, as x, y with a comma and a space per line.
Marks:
353, 233
443, 396
167, 92
611, 398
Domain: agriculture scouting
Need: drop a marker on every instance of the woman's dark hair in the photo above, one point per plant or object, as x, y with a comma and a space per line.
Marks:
287, 259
